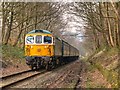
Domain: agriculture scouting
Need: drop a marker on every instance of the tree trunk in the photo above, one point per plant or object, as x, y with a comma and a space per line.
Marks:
118, 9
102, 21
7, 36
96, 38
3, 22
36, 16
109, 28
18, 37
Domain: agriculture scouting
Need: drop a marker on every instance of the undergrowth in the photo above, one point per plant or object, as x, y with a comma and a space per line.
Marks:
9, 51
12, 55
105, 59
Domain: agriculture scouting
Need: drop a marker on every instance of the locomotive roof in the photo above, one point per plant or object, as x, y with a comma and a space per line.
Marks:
40, 31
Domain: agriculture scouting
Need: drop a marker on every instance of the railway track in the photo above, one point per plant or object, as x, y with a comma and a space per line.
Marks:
13, 79
15, 74
17, 78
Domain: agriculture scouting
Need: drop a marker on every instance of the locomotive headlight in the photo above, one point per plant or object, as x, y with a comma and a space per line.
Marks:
46, 47
50, 58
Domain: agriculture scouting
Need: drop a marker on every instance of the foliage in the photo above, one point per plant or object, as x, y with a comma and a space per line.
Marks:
102, 24
11, 52
20, 18
102, 21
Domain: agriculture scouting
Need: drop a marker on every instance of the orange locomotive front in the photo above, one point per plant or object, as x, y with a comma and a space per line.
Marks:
38, 48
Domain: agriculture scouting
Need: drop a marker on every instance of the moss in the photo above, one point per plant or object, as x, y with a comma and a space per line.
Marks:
88, 83
112, 51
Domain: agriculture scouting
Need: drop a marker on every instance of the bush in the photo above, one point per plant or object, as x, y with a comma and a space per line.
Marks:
9, 51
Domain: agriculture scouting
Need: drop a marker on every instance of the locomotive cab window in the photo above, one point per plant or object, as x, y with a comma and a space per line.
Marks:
30, 40
47, 39
38, 39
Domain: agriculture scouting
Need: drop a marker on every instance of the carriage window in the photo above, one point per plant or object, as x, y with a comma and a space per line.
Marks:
38, 39
30, 39
47, 39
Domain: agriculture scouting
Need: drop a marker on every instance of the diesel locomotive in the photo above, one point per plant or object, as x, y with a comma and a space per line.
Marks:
43, 49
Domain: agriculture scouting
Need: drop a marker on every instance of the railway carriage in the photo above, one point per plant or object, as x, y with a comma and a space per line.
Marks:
42, 49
